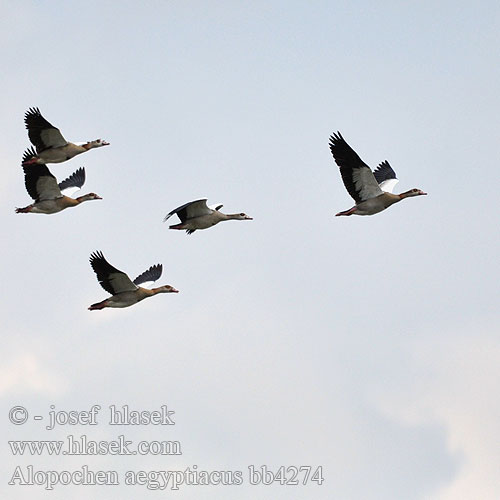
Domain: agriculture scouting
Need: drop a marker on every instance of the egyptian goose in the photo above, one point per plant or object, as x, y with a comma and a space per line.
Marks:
124, 292
197, 215
50, 145
42, 186
370, 190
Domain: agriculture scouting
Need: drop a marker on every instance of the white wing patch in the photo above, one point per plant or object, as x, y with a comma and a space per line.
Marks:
73, 183
388, 185
70, 191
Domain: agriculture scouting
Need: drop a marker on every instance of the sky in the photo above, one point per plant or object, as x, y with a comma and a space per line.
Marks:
366, 346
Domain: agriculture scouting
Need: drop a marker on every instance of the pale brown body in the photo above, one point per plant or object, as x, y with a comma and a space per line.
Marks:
64, 153
375, 205
54, 206
126, 299
206, 221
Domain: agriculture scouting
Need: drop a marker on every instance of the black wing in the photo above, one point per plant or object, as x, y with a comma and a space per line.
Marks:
190, 210
28, 154
356, 174
384, 172
40, 183
111, 279
42, 134
152, 274
75, 180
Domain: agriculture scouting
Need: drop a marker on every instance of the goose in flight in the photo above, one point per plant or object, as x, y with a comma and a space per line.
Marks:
372, 191
124, 292
51, 197
197, 215
51, 146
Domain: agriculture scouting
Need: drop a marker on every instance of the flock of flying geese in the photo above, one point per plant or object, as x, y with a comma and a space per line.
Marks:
371, 191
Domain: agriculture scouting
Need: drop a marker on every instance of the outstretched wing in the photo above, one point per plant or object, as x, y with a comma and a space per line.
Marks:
42, 134
152, 274
386, 177
111, 279
40, 183
190, 210
357, 175
73, 183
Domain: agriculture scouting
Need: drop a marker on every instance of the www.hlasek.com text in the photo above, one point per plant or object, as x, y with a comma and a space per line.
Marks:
83, 446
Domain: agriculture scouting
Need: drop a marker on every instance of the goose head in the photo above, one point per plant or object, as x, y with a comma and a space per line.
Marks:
412, 192
98, 143
165, 289
89, 196
241, 216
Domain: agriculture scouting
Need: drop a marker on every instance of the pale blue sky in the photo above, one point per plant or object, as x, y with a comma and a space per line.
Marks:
366, 345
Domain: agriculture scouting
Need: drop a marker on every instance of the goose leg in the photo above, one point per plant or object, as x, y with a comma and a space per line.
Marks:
347, 212
177, 226
24, 210
98, 305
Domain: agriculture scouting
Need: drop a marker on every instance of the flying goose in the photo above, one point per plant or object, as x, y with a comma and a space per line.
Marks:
197, 215
50, 145
372, 191
42, 186
124, 291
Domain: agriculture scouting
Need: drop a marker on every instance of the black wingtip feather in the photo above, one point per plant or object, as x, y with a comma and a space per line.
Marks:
348, 162
30, 114
76, 179
33, 172
103, 269
152, 274
384, 172
343, 154
336, 136
339, 147
96, 255
29, 153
